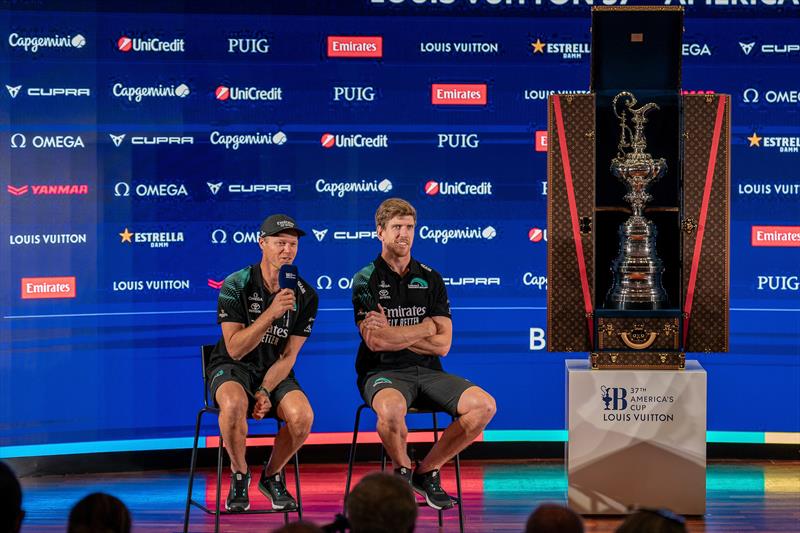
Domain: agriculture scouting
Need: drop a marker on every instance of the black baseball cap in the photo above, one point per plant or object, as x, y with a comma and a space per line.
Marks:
279, 223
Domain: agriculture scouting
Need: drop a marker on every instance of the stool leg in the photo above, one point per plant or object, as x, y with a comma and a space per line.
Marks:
435, 440
460, 496
297, 485
192, 467
352, 456
219, 484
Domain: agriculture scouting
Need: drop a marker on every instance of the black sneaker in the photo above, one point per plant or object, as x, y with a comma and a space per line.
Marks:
403, 473
428, 486
274, 489
238, 500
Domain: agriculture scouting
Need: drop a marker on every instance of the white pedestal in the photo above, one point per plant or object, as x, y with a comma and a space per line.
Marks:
636, 438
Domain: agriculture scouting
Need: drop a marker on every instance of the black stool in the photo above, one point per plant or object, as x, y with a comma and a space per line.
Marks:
435, 429
205, 352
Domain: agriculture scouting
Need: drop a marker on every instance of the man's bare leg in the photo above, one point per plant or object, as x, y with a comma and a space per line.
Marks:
390, 406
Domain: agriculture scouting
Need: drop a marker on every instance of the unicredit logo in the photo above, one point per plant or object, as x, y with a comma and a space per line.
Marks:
458, 188
134, 44
50, 287
329, 140
458, 93
537, 235
224, 93
776, 236
355, 46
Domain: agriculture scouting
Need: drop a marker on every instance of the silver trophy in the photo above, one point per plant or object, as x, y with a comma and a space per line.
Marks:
637, 269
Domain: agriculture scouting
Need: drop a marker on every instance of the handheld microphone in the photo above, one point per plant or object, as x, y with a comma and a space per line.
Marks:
287, 279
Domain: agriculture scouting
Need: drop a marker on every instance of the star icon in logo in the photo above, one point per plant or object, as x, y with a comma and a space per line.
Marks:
538, 46
126, 235
755, 140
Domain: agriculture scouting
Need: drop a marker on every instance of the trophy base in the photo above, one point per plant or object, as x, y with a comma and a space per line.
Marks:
638, 360
636, 306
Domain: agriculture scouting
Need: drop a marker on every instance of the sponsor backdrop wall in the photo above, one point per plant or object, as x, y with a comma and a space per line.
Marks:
140, 149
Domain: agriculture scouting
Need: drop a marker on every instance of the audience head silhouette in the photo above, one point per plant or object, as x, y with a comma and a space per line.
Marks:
553, 518
99, 513
382, 503
11, 513
653, 521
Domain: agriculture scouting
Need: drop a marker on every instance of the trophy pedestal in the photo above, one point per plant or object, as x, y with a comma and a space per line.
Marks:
636, 438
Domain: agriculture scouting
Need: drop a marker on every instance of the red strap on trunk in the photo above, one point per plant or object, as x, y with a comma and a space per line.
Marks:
573, 212
701, 225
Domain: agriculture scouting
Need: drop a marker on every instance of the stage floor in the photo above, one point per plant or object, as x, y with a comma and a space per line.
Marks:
759, 496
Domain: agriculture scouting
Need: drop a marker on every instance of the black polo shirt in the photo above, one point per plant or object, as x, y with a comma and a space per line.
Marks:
407, 300
243, 298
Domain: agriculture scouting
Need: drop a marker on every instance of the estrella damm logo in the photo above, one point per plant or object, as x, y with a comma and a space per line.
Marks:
614, 398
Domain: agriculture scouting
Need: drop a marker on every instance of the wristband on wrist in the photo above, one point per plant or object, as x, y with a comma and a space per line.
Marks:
262, 388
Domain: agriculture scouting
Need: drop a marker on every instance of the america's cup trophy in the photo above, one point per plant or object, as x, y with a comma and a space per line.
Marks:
637, 269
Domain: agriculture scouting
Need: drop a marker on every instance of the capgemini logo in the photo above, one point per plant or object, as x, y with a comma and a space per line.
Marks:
385, 186
182, 90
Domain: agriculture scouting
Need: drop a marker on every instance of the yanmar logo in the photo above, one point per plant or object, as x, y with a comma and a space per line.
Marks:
565, 50
49, 287
355, 46
775, 236
459, 93
154, 44
13, 91
224, 93
32, 44
357, 140
48, 190
782, 144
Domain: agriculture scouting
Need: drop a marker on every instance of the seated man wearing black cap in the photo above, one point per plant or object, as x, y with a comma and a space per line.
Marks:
250, 369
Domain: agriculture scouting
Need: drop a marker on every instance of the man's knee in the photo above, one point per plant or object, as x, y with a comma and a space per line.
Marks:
232, 401
390, 408
481, 405
299, 419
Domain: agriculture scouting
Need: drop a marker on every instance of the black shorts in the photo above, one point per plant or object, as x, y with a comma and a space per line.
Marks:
219, 374
422, 387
